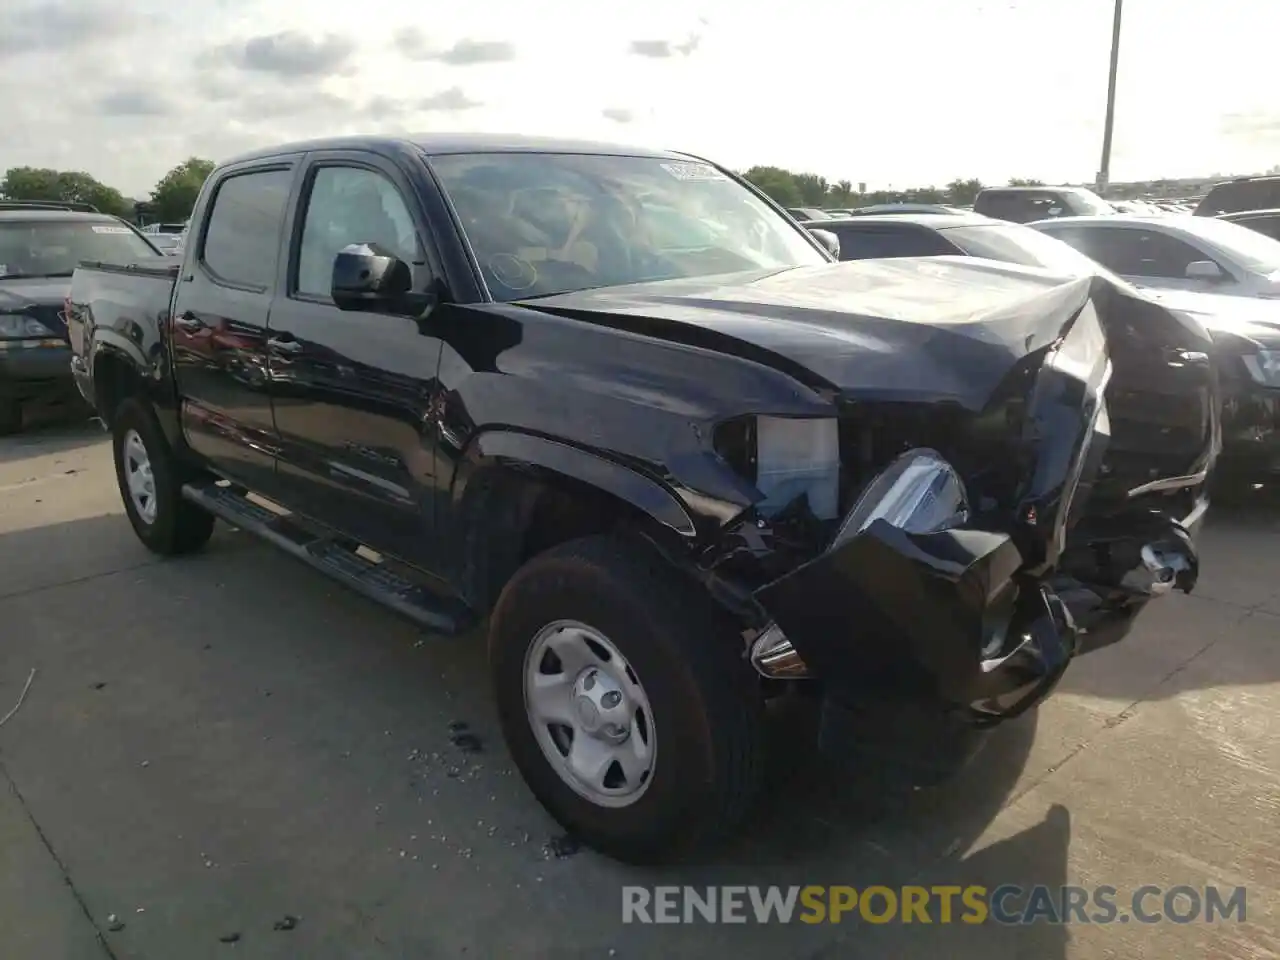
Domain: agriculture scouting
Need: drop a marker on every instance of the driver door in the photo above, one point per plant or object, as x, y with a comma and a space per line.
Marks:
352, 390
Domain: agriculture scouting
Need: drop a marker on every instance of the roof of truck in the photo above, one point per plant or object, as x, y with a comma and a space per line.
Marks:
439, 144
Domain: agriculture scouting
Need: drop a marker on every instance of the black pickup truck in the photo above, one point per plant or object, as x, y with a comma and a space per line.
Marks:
620, 405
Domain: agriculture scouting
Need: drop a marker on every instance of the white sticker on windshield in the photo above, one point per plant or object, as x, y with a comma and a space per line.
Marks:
693, 171
107, 228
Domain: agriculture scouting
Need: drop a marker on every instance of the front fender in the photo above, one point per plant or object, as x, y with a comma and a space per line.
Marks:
523, 449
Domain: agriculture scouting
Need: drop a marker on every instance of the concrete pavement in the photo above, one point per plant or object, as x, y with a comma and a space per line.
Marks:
218, 747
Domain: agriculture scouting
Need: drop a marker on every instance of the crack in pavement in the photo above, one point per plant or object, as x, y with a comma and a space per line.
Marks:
62, 868
28, 591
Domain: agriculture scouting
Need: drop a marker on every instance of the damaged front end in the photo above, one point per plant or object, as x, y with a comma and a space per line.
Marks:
967, 563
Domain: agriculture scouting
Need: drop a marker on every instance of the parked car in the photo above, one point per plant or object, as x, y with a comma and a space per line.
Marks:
808, 213
1025, 204
1184, 253
677, 478
880, 209
40, 245
1265, 222
152, 229
1245, 331
170, 244
1242, 193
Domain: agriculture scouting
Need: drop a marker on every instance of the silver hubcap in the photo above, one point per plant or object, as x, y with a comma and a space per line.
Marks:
589, 714
138, 476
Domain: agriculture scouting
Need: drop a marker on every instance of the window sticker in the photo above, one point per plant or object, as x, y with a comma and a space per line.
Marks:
108, 228
693, 171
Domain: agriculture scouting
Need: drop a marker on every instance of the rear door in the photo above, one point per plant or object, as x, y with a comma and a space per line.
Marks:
223, 301
353, 391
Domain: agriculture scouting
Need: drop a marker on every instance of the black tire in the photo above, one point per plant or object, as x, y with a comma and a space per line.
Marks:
10, 417
179, 526
707, 713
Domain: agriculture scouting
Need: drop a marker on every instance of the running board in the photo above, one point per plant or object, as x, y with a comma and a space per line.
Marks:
372, 578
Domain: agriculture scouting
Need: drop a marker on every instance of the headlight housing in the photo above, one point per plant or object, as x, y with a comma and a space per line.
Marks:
786, 457
21, 326
1264, 367
919, 493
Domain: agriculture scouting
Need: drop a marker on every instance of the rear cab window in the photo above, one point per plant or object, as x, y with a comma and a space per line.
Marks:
241, 245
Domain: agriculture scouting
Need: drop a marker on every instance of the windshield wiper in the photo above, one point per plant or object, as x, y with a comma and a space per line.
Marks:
33, 276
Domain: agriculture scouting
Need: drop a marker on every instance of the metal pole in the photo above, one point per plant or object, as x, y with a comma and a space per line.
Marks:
1104, 169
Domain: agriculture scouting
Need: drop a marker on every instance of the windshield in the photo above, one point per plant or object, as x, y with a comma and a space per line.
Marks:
541, 224
1026, 246
55, 248
1247, 247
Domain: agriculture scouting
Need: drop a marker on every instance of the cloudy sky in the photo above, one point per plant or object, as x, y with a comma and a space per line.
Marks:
910, 92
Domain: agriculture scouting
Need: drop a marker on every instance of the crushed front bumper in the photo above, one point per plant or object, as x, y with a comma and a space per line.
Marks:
951, 619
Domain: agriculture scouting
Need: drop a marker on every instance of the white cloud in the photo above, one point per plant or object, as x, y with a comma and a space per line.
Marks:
909, 93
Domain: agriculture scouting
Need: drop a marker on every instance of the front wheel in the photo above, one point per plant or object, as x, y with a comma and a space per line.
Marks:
625, 701
150, 478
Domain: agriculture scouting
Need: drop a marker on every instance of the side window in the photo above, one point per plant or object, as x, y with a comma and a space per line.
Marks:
1143, 253
1267, 226
350, 205
242, 241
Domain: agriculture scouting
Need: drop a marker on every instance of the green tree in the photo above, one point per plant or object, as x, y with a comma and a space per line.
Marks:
779, 184
174, 196
813, 189
1022, 182
963, 192
62, 186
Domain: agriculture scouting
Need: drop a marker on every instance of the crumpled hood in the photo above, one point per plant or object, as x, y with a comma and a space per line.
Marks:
932, 329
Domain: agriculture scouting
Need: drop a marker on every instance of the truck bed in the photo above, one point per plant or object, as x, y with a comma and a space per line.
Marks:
124, 302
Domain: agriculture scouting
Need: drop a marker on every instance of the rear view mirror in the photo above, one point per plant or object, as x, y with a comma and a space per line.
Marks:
367, 276
829, 241
1204, 270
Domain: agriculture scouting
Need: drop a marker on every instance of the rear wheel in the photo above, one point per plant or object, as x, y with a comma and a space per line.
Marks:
625, 701
150, 478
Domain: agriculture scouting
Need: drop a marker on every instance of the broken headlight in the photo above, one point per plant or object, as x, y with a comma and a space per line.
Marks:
786, 458
920, 492
1264, 367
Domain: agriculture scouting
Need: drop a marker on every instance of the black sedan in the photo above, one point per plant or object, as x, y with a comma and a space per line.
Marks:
1245, 331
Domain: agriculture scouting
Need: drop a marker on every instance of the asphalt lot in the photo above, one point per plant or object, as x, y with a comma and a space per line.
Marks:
212, 745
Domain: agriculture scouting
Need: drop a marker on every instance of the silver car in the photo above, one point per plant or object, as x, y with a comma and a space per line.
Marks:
1176, 252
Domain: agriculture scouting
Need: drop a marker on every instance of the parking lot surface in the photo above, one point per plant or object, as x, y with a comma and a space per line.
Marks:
229, 755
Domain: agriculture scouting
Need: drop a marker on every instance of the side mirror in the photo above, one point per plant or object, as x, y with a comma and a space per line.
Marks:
367, 276
1204, 270
829, 241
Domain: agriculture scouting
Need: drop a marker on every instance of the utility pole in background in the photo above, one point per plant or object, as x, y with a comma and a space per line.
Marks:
1104, 168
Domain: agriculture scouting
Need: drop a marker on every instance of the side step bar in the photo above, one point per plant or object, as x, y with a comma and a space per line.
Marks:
425, 607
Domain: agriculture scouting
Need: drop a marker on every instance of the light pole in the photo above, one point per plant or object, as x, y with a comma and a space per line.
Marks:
1104, 168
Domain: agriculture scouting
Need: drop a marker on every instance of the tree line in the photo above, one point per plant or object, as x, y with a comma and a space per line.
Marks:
171, 201
174, 196
792, 189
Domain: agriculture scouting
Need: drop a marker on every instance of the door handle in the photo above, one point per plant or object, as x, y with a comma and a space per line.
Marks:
190, 322
284, 346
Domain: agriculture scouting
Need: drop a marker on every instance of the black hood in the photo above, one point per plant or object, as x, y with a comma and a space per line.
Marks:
934, 329
42, 297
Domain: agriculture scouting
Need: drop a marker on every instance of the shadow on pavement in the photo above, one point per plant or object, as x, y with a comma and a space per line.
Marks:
56, 432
